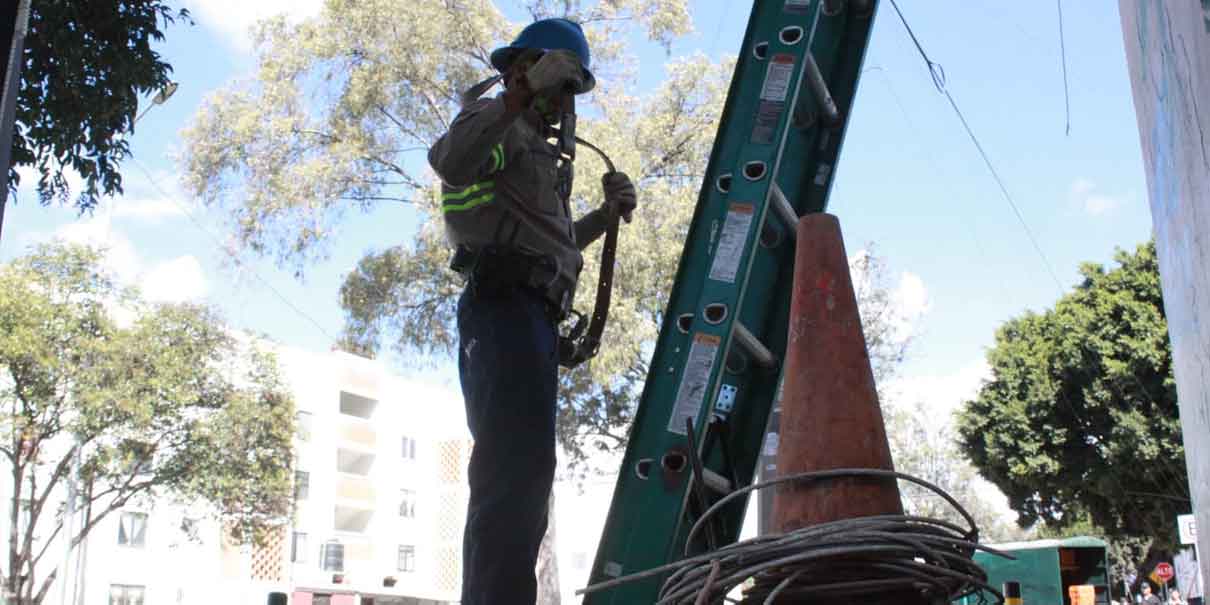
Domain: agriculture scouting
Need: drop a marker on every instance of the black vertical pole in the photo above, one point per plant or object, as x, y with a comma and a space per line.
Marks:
14, 21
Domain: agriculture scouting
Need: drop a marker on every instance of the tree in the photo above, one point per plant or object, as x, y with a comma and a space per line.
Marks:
85, 66
1080, 416
116, 400
340, 113
886, 324
928, 449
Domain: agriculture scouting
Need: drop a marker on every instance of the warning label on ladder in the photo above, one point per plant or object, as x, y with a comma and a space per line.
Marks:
731, 243
773, 98
694, 381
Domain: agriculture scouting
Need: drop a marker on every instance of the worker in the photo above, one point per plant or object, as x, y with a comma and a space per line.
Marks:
506, 205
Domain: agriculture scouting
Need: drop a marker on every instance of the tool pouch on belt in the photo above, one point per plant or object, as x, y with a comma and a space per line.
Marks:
497, 272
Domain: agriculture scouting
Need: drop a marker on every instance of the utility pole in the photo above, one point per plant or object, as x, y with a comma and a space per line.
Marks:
14, 23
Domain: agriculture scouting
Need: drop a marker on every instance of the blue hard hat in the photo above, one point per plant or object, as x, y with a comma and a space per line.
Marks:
546, 35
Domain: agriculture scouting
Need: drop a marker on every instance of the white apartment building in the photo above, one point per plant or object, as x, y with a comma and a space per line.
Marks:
380, 487
380, 506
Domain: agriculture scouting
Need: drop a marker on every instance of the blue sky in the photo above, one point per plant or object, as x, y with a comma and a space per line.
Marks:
909, 180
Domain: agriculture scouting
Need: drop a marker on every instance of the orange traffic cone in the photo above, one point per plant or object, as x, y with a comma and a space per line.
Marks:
830, 416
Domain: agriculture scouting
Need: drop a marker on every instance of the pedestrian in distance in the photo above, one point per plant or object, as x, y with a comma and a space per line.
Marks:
507, 212
1147, 597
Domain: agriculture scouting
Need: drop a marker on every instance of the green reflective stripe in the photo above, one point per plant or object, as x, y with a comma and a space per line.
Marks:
465, 193
479, 201
497, 157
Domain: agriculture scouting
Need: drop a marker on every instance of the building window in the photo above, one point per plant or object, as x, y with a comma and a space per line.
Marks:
302, 485
332, 556
407, 558
126, 594
132, 531
302, 426
298, 548
407, 503
409, 448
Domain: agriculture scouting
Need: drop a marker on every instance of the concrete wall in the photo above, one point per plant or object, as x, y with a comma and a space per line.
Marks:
1168, 49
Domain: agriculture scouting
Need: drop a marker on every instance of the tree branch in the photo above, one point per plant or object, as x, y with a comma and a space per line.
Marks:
376, 198
46, 585
404, 128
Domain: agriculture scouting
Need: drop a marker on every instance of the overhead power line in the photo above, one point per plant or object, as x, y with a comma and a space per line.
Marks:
1063, 58
938, 74
218, 243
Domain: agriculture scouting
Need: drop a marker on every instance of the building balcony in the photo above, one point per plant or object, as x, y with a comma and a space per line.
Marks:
358, 434
352, 518
354, 461
357, 406
355, 489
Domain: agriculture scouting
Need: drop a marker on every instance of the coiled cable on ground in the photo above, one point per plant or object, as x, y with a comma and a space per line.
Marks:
852, 560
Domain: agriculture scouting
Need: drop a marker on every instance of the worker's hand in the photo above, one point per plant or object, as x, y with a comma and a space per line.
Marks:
620, 195
557, 72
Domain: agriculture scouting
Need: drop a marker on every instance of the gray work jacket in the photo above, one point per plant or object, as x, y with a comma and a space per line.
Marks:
500, 185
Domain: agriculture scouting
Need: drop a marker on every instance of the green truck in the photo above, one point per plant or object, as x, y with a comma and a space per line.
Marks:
1047, 571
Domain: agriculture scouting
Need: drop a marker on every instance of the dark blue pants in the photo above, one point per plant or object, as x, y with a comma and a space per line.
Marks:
508, 365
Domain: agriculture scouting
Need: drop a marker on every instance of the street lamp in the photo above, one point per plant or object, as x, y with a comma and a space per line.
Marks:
162, 95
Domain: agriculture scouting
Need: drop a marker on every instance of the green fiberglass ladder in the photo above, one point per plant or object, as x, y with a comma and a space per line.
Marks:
717, 365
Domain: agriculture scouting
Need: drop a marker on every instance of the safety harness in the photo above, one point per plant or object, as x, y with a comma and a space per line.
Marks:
580, 345
581, 341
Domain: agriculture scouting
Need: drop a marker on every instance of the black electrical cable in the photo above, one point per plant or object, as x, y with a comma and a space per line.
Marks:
1063, 57
938, 74
848, 559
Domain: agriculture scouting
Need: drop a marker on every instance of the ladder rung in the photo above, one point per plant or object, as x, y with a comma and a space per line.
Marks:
828, 111
716, 482
785, 212
861, 8
755, 349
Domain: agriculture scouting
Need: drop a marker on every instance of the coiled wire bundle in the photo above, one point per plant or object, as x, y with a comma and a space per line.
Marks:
922, 560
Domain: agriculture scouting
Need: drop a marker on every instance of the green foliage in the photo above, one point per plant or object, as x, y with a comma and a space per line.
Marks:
155, 400
929, 450
343, 106
1080, 418
85, 66
340, 113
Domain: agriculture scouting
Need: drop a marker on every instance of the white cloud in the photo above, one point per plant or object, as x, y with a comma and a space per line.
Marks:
908, 299
1097, 205
1081, 187
178, 280
912, 297
119, 255
942, 393
233, 19
152, 210
1084, 194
